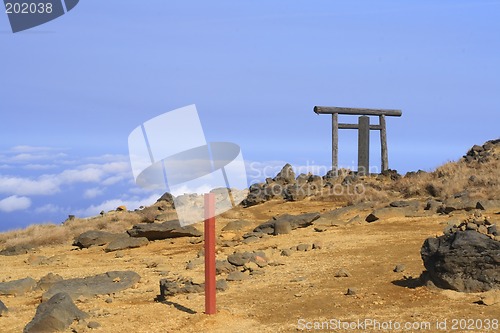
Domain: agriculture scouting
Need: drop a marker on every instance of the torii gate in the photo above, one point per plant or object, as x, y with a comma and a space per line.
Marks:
363, 128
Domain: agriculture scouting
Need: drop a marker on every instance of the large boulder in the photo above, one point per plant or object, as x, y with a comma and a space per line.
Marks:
107, 283
16, 250
466, 261
157, 231
55, 315
123, 243
295, 221
17, 287
95, 238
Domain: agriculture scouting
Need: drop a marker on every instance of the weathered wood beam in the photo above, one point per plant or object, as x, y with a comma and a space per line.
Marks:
335, 143
356, 126
364, 145
383, 144
356, 111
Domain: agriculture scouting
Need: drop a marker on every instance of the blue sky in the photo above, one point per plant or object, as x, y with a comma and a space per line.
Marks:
73, 89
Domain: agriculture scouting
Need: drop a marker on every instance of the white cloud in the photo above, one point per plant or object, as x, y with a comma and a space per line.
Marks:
93, 192
39, 166
30, 149
83, 175
131, 203
25, 186
14, 203
49, 208
38, 156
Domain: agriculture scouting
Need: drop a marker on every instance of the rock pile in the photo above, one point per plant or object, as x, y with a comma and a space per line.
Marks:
286, 186
484, 153
466, 258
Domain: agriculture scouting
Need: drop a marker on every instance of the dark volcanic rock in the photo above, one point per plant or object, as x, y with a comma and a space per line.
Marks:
95, 237
237, 225
282, 227
157, 231
3, 308
488, 205
239, 259
295, 221
286, 175
48, 281
465, 261
17, 287
123, 243
171, 287
106, 283
55, 315
16, 250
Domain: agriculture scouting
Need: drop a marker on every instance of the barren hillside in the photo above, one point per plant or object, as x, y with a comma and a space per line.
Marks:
309, 256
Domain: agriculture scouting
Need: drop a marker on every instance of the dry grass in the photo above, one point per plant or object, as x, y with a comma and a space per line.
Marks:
481, 181
51, 234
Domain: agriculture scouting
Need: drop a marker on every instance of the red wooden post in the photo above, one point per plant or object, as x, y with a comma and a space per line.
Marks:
210, 305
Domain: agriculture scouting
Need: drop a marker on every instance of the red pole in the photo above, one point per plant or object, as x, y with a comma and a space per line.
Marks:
210, 307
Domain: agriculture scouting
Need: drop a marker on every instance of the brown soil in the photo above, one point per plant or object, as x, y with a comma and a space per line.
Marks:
270, 302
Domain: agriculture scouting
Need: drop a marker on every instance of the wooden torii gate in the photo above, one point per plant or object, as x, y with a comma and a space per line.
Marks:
363, 126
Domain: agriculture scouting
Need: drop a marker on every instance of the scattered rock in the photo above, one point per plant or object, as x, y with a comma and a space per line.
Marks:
192, 264
399, 268
286, 252
460, 203
251, 239
123, 243
101, 284
303, 247
48, 281
388, 212
16, 250
488, 205
352, 291
95, 238
171, 287
239, 259
93, 325
17, 287
121, 208
491, 298
57, 314
3, 309
320, 229
221, 285
157, 231
35, 260
237, 225
340, 216
464, 261
405, 203
342, 273
317, 245
237, 276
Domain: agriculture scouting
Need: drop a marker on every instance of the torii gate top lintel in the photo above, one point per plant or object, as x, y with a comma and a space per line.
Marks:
363, 128
357, 111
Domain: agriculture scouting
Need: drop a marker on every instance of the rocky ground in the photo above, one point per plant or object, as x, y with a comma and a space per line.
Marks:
284, 266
